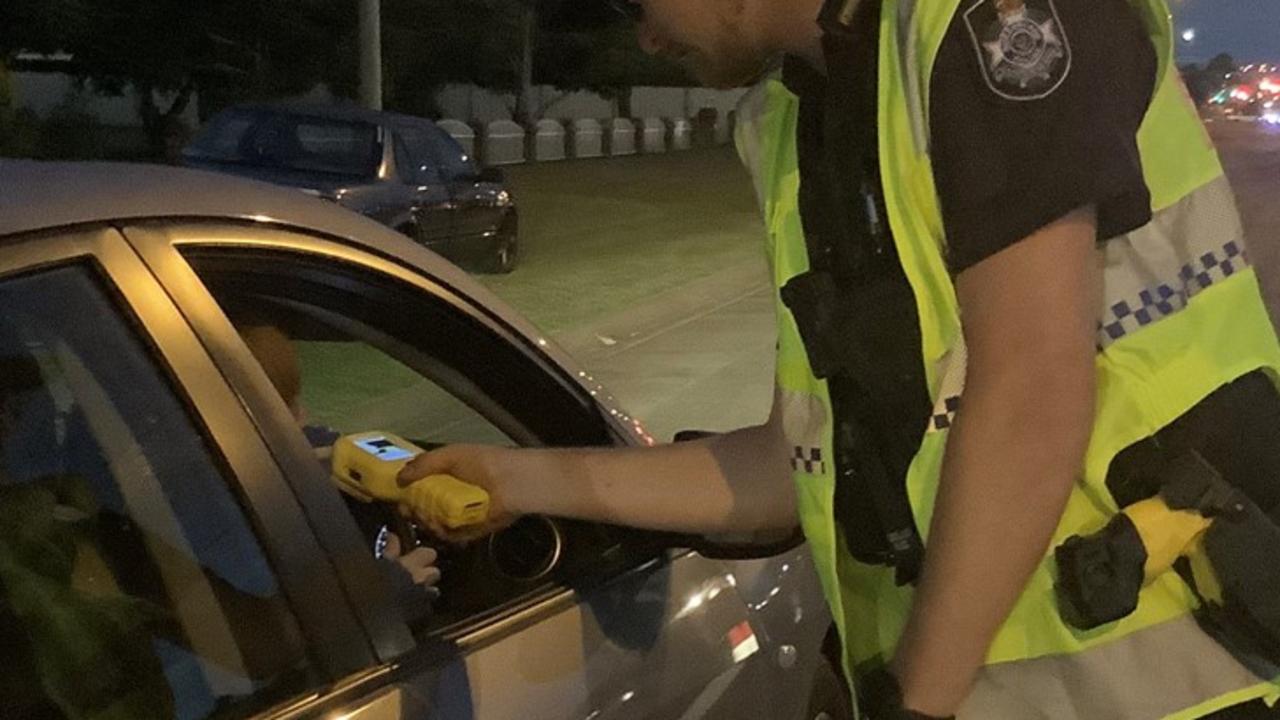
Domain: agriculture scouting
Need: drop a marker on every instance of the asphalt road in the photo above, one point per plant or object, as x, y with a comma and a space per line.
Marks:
1251, 155
701, 355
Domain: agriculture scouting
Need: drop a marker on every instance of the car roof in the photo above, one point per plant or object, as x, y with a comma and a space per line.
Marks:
37, 196
343, 111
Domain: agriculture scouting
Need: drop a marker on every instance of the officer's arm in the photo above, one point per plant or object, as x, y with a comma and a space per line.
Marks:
731, 483
1017, 446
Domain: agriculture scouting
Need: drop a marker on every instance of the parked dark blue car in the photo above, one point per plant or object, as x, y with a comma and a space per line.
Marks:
402, 171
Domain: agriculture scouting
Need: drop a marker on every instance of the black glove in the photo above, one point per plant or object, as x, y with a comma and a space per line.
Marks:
880, 698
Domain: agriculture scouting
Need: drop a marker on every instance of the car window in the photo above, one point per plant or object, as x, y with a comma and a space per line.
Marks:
290, 142
411, 169
416, 165
377, 354
444, 151
131, 581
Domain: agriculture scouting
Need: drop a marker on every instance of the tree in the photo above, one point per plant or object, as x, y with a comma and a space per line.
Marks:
1222, 65
429, 43
168, 50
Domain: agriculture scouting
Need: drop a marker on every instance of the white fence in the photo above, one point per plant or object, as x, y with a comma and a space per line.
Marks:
588, 138
622, 137
503, 143
548, 141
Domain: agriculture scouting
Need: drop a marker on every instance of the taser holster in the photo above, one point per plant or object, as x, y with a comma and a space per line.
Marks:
1218, 540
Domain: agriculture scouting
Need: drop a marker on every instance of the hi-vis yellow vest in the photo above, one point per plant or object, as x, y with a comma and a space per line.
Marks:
1183, 316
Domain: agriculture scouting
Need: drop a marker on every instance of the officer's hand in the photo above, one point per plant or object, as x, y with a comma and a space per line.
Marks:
474, 464
419, 562
880, 698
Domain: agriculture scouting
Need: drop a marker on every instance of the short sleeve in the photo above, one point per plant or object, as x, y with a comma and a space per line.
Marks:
1034, 112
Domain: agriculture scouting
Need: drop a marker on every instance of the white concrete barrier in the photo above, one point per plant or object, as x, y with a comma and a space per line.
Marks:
588, 138
622, 137
681, 134
461, 132
653, 135
548, 141
503, 143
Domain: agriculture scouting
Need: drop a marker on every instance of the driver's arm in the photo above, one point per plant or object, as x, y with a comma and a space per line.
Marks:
731, 483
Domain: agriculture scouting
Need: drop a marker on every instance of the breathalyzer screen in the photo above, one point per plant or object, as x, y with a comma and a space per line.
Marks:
383, 449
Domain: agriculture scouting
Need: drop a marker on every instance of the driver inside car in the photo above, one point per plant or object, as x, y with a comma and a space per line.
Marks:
413, 574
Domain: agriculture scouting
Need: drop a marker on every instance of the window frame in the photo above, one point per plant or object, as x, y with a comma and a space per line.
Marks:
161, 244
334, 642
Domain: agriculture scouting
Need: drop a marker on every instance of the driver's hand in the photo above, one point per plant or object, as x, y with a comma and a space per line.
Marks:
419, 562
471, 464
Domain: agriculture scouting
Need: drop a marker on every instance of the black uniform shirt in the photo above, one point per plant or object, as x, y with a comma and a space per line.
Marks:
1033, 112
1014, 146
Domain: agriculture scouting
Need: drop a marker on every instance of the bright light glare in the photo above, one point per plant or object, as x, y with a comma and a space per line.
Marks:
1189, 35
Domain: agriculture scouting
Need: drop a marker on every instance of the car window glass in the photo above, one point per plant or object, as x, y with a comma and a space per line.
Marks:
221, 138
405, 169
374, 354
445, 152
131, 582
418, 166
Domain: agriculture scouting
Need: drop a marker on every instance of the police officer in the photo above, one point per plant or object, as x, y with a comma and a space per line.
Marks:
1009, 266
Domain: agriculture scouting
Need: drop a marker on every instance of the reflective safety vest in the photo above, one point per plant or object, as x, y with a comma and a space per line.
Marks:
1183, 316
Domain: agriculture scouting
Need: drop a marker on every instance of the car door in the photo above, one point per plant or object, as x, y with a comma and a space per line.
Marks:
477, 212
430, 204
153, 560
551, 620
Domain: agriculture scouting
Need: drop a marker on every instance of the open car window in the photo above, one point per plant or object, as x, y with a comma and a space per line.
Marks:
376, 354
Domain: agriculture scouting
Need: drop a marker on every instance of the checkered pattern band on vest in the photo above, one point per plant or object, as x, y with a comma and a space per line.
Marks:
944, 414
808, 460
1162, 300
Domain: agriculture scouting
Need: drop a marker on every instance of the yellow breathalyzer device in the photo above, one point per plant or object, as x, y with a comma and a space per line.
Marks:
366, 465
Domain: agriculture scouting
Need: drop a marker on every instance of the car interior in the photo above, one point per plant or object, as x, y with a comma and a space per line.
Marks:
387, 359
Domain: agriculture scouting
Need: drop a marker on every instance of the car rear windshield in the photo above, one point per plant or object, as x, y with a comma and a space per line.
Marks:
288, 141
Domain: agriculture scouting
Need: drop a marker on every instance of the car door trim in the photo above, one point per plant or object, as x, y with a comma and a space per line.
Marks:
358, 583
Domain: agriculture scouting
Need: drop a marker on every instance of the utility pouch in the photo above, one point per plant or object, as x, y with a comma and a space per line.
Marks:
877, 519
854, 338
865, 331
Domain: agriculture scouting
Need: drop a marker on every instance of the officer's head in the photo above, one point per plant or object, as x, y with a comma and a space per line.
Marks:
723, 43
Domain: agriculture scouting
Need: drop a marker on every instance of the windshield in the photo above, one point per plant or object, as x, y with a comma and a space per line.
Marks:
292, 142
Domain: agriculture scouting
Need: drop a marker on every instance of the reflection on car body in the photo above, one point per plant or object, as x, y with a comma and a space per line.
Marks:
237, 577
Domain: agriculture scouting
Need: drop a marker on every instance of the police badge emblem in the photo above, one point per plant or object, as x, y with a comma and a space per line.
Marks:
1021, 46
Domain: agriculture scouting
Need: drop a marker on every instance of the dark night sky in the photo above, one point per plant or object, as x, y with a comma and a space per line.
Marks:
1248, 29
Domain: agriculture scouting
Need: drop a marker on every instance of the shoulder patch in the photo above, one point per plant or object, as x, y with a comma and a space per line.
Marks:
1022, 48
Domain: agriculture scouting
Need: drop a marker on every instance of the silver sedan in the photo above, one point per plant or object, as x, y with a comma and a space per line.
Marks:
171, 547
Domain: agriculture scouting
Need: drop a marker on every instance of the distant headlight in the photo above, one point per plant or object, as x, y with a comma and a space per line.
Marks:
1271, 118
502, 199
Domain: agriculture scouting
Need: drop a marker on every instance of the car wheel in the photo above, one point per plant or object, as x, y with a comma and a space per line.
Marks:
829, 699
